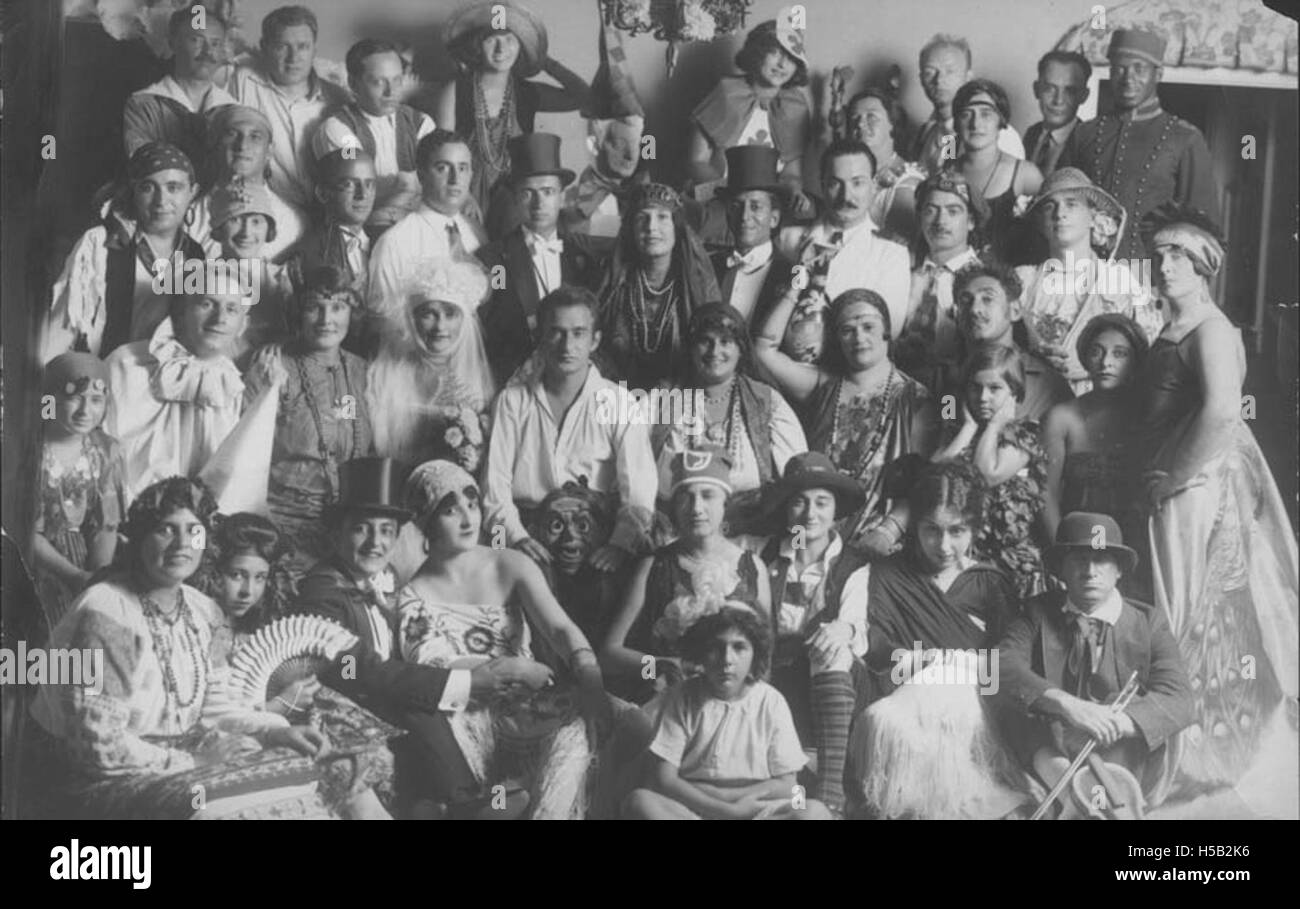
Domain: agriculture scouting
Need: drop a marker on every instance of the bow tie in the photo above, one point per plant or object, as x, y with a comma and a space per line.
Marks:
181, 376
555, 246
747, 261
381, 587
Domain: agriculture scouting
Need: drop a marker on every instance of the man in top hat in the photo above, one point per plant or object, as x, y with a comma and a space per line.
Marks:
1082, 225
172, 109
1139, 153
751, 272
819, 611
615, 123
1072, 651
381, 125
536, 256
354, 587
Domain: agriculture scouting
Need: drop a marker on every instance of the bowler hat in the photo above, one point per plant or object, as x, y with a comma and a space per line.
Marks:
372, 485
1085, 530
537, 155
752, 167
814, 470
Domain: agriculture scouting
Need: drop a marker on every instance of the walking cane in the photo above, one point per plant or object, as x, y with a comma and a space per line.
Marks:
1126, 694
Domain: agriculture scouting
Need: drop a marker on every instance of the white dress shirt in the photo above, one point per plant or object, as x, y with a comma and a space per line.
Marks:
743, 282
864, 260
545, 253
294, 122
532, 453
422, 236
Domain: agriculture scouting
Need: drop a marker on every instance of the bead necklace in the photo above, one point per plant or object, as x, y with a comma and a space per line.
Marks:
162, 648
729, 436
492, 146
877, 431
326, 453
640, 315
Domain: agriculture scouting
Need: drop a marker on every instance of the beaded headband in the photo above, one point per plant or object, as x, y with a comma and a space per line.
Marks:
658, 195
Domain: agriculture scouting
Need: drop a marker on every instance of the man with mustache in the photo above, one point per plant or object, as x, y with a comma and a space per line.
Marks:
929, 345
437, 229
537, 257
988, 306
751, 273
946, 65
843, 249
172, 109
382, 126
1061, 86
284, 86
1141, 154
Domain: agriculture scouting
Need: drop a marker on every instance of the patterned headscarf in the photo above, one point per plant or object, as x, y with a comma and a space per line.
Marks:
1189, 229
158, 156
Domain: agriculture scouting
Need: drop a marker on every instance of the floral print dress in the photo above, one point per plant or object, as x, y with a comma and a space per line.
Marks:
539, 736
76, 503
1011, 511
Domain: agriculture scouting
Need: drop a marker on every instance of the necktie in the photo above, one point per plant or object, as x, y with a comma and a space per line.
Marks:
1084, 657
927, 313
1044, 153
455, 246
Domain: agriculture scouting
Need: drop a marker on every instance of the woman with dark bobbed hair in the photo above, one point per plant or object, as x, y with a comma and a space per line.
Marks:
981, 111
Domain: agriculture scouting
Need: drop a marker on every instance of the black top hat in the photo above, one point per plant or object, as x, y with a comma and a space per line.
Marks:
372, 485
814, 470
536, 155
752, 167
1093, 532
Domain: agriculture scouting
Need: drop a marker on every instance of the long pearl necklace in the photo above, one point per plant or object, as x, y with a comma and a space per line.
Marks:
640, 316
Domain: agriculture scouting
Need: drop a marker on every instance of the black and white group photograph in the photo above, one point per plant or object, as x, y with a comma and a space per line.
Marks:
650, 410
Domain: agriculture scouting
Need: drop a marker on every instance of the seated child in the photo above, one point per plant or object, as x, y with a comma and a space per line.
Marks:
1007, 453
726, 748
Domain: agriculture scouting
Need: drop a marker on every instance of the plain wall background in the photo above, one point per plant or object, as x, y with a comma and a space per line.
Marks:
1007, 37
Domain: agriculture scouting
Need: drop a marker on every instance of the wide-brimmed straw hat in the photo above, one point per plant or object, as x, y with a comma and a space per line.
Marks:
465, 26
